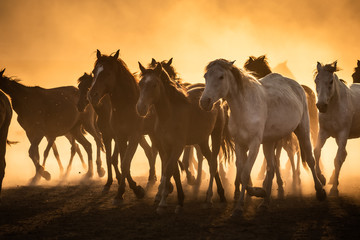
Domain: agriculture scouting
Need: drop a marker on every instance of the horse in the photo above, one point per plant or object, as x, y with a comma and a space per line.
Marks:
356, 74
262, 112
112, 77
5, 119
103, 111
180, 122
259, 67
339, 115
46, 113
188, 156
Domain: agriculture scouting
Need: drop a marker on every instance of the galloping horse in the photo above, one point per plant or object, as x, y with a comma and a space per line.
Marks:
103, 111
112, 77
262, 112
356, 74
46, 113
180, 122
339, 115
259, 67
5, 119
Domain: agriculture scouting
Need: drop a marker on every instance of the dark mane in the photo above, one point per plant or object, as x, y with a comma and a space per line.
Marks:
84, 77
331, 68
259, 67
229, 66
124, 75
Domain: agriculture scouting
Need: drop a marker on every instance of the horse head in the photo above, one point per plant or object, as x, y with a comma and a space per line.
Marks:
104, 81
324, 81
84, 83
259, 67
356, 74
149, 88
217, 82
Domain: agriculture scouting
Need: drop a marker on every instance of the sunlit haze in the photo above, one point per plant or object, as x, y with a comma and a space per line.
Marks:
52, 43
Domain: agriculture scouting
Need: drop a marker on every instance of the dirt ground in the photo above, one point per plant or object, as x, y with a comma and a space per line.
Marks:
81, 211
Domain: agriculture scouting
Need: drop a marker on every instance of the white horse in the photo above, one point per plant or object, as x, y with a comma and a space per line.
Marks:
262, 112
339, 115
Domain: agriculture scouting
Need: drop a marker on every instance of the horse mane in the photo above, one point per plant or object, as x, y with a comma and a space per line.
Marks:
125, 76
239, 75
258, 66
84, 77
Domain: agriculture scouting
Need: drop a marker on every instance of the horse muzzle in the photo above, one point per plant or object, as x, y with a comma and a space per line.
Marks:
322, 107
206, 103
141, 109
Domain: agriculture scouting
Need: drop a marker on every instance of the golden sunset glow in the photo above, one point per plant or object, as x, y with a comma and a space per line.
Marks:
52, 43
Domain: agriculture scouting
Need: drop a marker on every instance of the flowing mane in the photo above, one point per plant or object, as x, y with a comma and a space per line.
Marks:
331, 68
239, 75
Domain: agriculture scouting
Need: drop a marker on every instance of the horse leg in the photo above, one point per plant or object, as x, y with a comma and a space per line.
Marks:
277, 169
200, 159
3, 137
78, 135
341, 154
47, 149
57, 156
302, 133
268, 149
107, 144
72, 153
34, 155
322, 137
149, 154
179, 189
207, 153
261, 174
171, 164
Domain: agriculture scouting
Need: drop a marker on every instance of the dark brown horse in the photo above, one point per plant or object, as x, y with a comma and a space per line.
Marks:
180, 122
259, 67
46, 113
103, 111
356, 74
112, 77
5, 119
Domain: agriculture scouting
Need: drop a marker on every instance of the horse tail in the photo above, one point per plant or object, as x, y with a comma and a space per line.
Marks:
227, 145
313, 113
8, 142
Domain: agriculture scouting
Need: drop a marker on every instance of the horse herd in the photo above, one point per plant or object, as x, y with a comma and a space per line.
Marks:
238, 110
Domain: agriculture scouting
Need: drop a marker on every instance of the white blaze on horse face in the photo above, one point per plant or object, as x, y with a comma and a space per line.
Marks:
98, 70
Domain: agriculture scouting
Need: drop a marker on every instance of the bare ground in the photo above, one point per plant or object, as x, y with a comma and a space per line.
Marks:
81, 211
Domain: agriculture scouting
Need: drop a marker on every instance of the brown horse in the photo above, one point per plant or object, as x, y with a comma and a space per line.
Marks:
259, 67
356, 74
46, 113
180, 122
5, 119
112, 77
103, 111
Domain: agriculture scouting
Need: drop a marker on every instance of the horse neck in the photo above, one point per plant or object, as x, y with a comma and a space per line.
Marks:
126, 91
340, 90
163, 106
18, 94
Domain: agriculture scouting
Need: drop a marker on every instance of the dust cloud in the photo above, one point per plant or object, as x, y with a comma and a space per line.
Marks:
51, 43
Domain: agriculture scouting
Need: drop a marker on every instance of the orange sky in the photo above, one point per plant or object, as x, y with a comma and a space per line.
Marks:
51, 43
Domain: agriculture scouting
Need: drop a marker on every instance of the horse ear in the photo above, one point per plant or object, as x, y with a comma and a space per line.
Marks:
358, 63
98, 53
262, 57
169, 62
251, 59
232, 63
142, 69
2, 72
318, 66
334, 65
158, 69
153, 62
116, 56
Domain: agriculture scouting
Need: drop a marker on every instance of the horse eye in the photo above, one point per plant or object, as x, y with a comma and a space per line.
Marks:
221, 77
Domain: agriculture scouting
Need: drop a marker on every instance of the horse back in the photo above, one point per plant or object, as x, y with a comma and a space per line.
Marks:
355, 99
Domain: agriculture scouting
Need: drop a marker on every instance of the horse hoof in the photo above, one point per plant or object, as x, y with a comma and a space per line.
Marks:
321, 195
46, 175
256, 192
139, 192
161, 210
334, 192
152, 179
322, 179
171, 188
281, 193
118, 201
179, 209
101, 172
149, 185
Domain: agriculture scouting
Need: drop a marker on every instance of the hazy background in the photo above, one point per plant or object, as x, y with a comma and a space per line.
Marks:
51, 43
